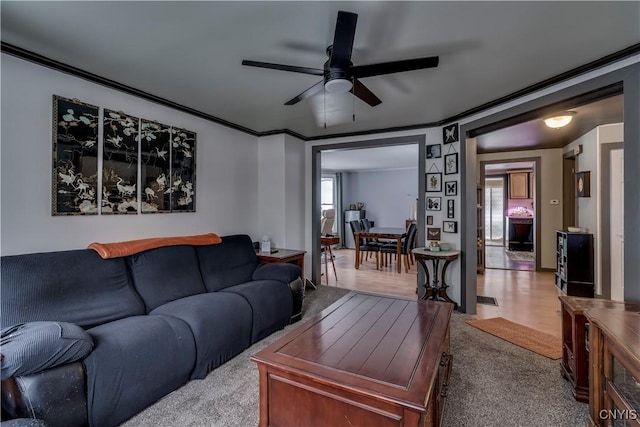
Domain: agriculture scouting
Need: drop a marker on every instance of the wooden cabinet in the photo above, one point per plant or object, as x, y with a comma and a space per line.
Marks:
575, 356
574, 263
614, 367
530, 179
518, 185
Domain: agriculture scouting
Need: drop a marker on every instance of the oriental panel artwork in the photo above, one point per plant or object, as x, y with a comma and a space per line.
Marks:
155, 167
183, 170
120, 163
75, 157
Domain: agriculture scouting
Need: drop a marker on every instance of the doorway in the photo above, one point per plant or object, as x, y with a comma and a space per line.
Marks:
509, 213
316, 195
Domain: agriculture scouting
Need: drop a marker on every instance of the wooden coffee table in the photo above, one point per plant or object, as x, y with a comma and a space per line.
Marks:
367, 360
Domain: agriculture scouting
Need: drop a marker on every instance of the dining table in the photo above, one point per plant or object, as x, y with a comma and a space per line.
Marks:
391, 233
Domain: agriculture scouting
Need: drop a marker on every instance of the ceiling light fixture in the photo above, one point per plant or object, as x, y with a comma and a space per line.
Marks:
338, 85
561, 120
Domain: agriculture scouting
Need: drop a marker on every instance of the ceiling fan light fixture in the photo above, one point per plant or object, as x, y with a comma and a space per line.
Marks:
560, 120
338, 85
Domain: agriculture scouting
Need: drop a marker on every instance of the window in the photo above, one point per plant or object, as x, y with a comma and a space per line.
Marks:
494, 211
327, 197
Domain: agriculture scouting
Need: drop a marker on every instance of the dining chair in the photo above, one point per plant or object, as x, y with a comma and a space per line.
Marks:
405, 250
365, 245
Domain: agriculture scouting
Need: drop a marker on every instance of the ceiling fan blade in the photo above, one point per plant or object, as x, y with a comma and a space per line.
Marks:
363, 92
292, 68
343, 40
360, 71
307, 93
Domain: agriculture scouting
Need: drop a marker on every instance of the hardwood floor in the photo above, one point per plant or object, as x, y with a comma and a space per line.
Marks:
525, 297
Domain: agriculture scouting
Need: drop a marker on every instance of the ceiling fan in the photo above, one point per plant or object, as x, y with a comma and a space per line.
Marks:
339, 74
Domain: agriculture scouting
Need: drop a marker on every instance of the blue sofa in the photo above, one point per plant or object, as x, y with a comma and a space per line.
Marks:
156, 319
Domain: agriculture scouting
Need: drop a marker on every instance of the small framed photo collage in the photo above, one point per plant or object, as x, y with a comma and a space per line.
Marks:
442, 162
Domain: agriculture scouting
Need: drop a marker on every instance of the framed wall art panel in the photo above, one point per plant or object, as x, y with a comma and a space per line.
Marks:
450, 226
75, 158
434, 182
433, 203
451, 188
451, 164
155, 167
183, 170
119, 163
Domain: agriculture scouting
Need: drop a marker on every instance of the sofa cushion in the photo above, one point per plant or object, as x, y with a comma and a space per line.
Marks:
229, 263
220, 323
135, 362
28, 348
271, 302
166, 274
67, 286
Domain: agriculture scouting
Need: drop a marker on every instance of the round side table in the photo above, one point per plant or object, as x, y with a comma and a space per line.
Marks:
436, 289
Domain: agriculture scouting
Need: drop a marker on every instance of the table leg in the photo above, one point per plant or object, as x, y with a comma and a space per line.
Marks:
357, 239
326, 267
442, 292
332, 263
428, 290
399, 253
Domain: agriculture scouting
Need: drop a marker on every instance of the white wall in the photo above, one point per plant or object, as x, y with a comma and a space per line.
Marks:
281, 190
387, 194
589, 215
550, 218
226, 169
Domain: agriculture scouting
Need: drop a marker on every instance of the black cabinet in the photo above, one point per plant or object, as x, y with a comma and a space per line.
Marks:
520, 234
574, 265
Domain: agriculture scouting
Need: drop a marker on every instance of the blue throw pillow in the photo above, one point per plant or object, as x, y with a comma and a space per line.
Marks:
28, 348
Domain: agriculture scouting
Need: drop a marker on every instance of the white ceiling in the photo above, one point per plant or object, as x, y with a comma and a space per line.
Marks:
190, 53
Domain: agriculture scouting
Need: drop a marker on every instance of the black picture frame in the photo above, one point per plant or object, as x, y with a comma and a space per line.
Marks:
583, 184
451, 164
433, 234
434, 151
449, 226
433, 182
433, 203
429, 220
451, 210
451, 188
74, 185
450, 133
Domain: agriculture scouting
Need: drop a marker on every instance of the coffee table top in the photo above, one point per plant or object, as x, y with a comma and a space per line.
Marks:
370, 343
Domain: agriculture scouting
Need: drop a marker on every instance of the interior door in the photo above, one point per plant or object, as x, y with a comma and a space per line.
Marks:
616, 224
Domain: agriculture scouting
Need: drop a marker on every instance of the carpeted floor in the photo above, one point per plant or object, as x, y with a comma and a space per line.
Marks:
492, 383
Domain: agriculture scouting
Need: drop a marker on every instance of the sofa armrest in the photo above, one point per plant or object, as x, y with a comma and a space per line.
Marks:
57, 396
283, 272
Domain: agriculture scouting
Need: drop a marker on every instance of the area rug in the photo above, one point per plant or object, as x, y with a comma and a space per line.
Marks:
539, 342
520, 256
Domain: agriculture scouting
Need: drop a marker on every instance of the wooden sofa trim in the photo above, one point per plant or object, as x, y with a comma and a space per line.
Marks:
130, 247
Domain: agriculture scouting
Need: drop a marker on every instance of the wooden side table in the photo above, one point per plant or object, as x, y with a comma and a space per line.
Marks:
293, 256
575, 358
436, 289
